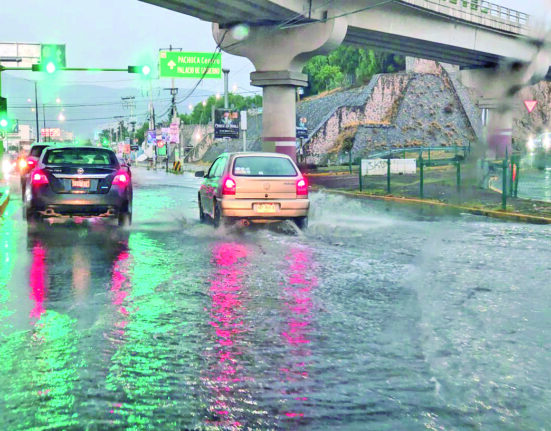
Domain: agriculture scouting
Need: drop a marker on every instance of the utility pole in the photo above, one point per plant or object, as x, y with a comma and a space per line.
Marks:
152, 127
36, 112
226, 102
130, 103
44, 119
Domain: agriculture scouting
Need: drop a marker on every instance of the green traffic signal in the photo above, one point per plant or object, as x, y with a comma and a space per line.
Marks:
3, 112
51, 67
144, 70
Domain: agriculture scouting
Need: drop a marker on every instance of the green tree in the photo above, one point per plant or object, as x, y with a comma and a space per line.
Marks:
141, 131
348, 66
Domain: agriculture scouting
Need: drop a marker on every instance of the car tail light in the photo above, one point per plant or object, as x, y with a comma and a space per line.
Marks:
121, 179
22, 164
302, 187
228, 186
31, 163
39, 178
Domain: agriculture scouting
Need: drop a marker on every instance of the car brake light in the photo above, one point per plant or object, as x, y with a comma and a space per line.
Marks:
22, 164
121, 179
228, 186
31, 162
39, 178
302, 187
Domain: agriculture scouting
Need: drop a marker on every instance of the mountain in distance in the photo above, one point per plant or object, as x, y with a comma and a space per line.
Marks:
87, 107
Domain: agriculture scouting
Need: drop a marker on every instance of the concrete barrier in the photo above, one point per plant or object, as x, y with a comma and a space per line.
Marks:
4, 199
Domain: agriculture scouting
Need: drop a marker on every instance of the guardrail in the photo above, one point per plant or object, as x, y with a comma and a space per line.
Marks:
478, 11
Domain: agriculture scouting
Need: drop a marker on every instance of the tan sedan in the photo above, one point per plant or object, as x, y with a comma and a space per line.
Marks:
253, 187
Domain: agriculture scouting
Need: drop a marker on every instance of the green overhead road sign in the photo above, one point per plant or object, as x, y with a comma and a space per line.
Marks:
175, 64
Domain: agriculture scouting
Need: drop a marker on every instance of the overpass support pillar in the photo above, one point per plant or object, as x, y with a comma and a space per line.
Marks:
495, 101
279, 53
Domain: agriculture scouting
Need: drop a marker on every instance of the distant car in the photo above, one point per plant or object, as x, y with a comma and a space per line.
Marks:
27, 163
79, 181
253, 187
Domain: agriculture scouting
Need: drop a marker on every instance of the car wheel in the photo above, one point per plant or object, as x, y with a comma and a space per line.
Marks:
31, 215
125, 216
201, 212
301, 222
217, 217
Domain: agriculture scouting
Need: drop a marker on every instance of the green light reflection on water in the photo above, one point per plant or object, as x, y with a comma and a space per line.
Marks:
42, 369
8, 254
138, 375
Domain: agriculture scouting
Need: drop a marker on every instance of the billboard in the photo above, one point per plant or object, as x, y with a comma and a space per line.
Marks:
226, 124
174, 131
380, 166
151, 137
50, 133
302, 128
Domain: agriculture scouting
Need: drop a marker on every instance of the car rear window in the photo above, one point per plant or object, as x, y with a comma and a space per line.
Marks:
262, 166
80, 156
36, 151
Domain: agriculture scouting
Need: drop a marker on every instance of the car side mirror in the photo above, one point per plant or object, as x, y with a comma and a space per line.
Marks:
200, 174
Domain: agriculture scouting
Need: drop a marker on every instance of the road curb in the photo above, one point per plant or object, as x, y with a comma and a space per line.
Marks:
502, 215
4, 200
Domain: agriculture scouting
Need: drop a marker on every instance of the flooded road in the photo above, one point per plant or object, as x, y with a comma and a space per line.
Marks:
377, 318
535, 184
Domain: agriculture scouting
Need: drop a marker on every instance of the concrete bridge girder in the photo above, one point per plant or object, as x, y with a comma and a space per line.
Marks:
279, 54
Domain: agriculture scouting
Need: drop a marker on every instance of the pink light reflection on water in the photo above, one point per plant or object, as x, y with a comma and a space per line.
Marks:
226, 318
298, 302
38, 280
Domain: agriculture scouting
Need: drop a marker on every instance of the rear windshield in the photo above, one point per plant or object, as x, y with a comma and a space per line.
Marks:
36, 151
80, 156
262, 166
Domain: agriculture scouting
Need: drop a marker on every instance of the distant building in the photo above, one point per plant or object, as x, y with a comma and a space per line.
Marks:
22, 139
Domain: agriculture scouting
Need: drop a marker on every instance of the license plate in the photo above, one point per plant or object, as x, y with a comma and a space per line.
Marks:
80, 184
266, 208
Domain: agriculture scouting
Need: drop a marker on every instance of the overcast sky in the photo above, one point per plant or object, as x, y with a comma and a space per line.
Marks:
116, 33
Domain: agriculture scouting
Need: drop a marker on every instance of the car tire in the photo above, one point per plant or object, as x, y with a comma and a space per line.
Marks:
301, 222
217, 216
202, 217
125, 216
31, 215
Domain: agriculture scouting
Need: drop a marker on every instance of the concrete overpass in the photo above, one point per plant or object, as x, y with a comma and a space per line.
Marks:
284, 34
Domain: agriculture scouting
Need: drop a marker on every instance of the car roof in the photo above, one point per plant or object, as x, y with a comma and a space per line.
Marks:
87, 147
257, 153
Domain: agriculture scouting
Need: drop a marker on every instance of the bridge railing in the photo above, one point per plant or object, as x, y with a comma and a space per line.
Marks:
478, 11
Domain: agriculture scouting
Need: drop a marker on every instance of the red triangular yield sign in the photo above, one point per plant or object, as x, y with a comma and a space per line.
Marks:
530, 105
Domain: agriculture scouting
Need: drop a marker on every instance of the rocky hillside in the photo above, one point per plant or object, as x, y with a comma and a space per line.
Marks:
399, 110
539, 121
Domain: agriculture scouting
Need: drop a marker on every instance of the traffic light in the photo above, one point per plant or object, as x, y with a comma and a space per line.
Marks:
144, 70
4, 113
49, 67
52, 58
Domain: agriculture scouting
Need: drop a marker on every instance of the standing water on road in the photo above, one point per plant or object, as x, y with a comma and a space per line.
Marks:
376, 318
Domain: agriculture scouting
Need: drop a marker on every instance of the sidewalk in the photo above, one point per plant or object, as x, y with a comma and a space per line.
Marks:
470, 199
